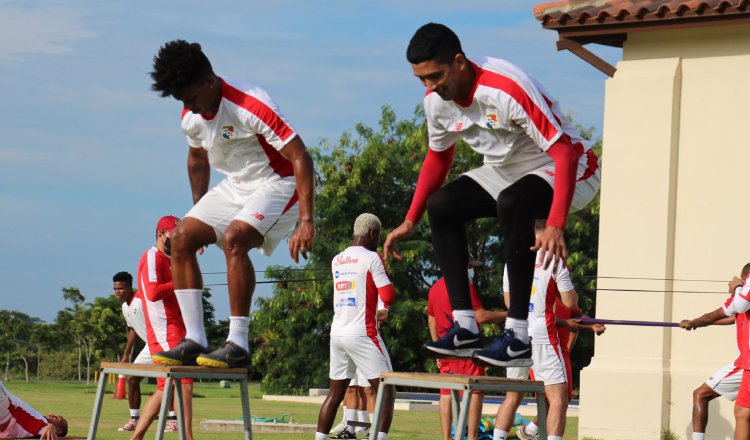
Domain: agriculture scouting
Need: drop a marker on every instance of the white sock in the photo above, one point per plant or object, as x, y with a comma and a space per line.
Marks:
371, 416
350, 414
239, 326
135, 413
191, 307
498, 434
466, 319
531, 428
382, 436
321, 436
344, 418
520, 328
699, 435
554, 437
172, 414
361, 416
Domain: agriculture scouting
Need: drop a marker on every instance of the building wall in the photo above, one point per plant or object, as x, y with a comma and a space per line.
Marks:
672, 208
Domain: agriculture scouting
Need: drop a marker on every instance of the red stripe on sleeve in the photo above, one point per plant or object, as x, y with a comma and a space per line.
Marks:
566, 160
259, 109
25, 420
280, 164
434, 171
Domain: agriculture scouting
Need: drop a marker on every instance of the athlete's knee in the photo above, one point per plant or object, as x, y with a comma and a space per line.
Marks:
238, 241
439, 204
182, 241
702, 394
510, 203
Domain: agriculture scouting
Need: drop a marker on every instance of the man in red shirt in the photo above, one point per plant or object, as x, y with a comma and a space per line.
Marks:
440, 321
164, 326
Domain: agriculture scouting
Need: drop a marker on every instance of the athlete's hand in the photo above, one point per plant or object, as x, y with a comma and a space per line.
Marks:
598, 329
302, 239
125, 357
552, 244
688, 324
574, 324
734, 284
49, 432
404, 230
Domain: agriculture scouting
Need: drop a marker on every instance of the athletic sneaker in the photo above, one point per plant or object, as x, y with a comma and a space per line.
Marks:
172, 426
183, 353
523, 435
458, 342
130, 426
229, 355
505, 351
338, 429
364, 432
346, 433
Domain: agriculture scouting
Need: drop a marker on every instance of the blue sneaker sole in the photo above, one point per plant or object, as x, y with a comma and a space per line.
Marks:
490, 362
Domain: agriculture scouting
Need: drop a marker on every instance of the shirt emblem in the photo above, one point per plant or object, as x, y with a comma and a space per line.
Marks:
227, 132
492, 121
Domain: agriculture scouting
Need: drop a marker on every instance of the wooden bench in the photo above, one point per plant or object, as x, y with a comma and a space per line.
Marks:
457, 383
170, 374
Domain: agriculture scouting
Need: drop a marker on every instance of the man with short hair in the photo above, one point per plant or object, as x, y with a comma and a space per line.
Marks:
536, 165
164, 326
19, 420
359, 279
726, 380
237, 129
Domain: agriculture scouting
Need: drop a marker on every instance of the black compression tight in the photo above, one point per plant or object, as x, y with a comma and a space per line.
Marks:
517, 207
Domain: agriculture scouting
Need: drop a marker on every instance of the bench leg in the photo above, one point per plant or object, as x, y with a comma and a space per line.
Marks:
379, 402
97, 405
455, 405
168, 382
463, 415
244, 395
541, 412
180, 404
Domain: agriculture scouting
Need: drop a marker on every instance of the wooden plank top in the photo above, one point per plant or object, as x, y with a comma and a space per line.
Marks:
168, 369
459, 378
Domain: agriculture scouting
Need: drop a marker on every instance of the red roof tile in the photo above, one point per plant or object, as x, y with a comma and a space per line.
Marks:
582, 13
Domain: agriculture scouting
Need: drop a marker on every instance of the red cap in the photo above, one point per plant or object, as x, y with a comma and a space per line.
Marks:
167, 223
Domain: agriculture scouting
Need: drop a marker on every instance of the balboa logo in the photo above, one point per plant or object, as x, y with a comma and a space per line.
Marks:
227, 132
344, 260
492, 121
345, 285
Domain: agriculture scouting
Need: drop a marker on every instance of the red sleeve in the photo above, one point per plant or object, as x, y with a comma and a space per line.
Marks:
160, 289
434, 171
566, 160
430, 306
387, 294
476, 303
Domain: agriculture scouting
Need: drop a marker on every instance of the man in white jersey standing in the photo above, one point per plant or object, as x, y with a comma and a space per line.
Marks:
359, 279
535, 166
237, 129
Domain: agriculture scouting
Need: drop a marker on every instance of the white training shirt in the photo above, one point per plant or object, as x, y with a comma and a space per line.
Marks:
134, 317
544, 291
357, 275
243, 139
510, 119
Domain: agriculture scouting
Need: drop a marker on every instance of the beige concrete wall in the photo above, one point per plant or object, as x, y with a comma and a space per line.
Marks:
673, 181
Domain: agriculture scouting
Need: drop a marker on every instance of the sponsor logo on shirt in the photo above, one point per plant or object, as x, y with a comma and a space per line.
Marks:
492, 121
227, 132
258, 216
345, 285
344, 260
346, 302
336, 274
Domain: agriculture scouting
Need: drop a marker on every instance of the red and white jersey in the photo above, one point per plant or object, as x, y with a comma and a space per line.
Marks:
134, 315
243, 139
162, 311
509, 118
739, 306
357, 274
17, 418
506, 288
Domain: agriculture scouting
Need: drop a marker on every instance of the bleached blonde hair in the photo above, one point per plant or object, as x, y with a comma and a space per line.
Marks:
365, 223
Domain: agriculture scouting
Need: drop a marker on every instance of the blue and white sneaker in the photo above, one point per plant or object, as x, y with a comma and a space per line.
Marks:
457, 343
505, 351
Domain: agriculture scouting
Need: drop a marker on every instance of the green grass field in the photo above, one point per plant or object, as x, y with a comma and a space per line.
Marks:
75, 402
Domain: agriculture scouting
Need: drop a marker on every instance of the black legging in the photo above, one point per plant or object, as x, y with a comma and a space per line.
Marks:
517, 207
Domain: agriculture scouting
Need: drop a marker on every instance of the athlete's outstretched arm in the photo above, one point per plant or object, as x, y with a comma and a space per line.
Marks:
302, 237
199, 172
434, 171
704, 320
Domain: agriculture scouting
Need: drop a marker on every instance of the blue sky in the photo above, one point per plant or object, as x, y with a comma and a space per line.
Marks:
91, 158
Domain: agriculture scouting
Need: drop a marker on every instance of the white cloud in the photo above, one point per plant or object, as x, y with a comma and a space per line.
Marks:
41, 29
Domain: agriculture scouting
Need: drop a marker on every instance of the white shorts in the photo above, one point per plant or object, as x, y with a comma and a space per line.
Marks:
270, 208
726, 381
549, 363
495, 179
359, 381
358, 356
521, 373
144, 357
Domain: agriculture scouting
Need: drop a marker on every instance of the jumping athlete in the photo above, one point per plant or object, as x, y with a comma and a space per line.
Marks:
164, 326
237, 129
359, 279
726, 380
535, 166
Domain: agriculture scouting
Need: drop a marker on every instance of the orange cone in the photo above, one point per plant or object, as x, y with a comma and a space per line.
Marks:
120, 390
